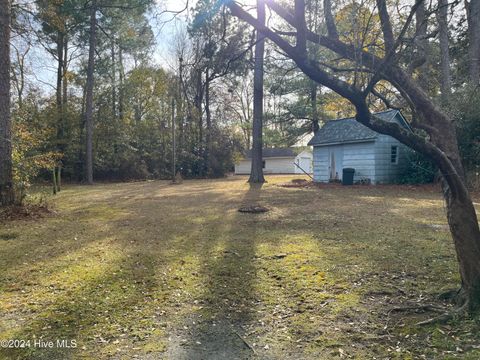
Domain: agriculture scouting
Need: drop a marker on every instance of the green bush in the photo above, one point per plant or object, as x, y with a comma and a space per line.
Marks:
419, 170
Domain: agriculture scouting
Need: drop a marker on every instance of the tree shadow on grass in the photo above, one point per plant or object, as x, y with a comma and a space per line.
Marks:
227, 305
104, 306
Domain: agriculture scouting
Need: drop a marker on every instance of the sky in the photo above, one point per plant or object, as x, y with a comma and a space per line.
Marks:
165, 26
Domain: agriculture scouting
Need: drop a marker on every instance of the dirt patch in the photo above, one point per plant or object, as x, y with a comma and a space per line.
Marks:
209, 339
24, 212
437, 227
253, 209
297, 183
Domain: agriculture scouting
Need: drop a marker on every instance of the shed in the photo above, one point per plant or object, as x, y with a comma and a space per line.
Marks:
279, 161
346, 143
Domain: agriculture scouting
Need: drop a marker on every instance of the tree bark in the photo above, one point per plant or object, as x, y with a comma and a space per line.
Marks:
256, 173
121, 77
208, 120
89, 93
441, 146
61, 54
114, 80
197, 103
421, 43
65, 74
7, 195
313, 103
473, 17
445, 77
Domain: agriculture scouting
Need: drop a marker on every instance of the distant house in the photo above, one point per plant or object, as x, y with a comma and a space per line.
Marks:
279, 161
345, 143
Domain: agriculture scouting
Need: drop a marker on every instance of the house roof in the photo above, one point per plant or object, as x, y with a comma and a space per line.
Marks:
275, 152
348, 130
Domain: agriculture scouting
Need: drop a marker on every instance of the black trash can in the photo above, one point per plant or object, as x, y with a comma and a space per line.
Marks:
347, 178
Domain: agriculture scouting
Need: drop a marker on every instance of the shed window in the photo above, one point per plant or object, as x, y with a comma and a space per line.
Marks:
263, 164
394, 155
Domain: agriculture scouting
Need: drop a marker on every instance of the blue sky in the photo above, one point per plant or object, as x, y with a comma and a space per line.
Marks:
165, 27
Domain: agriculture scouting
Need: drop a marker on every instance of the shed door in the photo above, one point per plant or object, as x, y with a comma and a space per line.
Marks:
335, 167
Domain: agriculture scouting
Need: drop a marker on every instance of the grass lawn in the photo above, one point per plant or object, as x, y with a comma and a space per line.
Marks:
151, 270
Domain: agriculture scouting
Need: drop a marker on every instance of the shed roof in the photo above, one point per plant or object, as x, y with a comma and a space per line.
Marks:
348, 130
276, 152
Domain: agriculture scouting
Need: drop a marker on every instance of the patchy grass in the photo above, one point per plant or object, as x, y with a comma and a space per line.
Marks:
161, 271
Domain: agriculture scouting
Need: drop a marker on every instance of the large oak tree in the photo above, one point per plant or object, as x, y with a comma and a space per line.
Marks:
440, 144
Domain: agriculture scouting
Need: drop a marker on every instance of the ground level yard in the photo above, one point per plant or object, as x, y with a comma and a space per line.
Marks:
160, 271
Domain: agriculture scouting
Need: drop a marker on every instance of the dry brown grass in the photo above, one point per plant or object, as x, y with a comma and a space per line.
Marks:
161, 271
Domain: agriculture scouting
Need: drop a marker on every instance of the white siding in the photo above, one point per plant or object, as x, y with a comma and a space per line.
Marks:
371, 160
360, 156
320, 163
302, 159
243, 167
279, 166
272, 166
386, 171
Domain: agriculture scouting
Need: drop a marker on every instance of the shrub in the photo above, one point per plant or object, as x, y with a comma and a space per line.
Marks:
28, 159
418, 170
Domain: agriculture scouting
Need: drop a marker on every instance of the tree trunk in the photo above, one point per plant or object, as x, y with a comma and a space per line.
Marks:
7, 196
313, 103
114, 80
441, 146
256, 173
461, 216
197, 102
65, 74
421, 43
59, 98
81, 127
445, 77
121, 75
208, 119
473, 17
89, 94
463, 224
64, 103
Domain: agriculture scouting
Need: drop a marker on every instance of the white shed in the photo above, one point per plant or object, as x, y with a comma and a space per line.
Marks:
279, 161
346, 143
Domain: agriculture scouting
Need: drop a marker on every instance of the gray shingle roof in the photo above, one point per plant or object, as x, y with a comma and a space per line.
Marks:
348, 130
275, 152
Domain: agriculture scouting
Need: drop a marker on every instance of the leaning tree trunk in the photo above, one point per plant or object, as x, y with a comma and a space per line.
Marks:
256, 173
462, 220
89, 94
441, 147
461, 214
6, 176
466, 237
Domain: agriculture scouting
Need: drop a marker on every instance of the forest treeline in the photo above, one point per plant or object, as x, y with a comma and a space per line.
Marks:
203, 95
